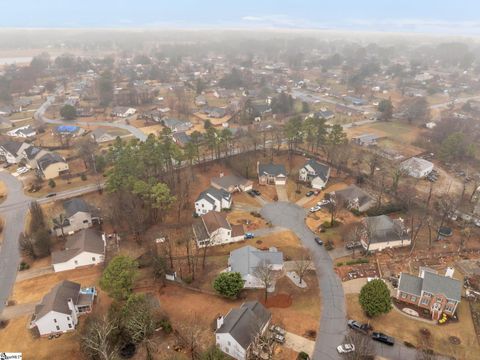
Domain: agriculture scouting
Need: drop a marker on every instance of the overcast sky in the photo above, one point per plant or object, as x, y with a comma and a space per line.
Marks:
431, 16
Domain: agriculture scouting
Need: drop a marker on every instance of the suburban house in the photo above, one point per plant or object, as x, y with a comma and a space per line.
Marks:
26, 131
32, 153
429, 290
84, 248
231, 183
69, 130
417, 167
52, 165
239, 329
247, 259
212, 199
59, 310
324, 113
177, 125
77, 216
213, 229
123, 111
381, 232
315, 173
181, 138
366, 139
101, 135
271, 174
13, 151
355, 198
214, 112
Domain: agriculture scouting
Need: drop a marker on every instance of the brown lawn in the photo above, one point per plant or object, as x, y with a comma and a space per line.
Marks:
406, 329
249, 222
3, 191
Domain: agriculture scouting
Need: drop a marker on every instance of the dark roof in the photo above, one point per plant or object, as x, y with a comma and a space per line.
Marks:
246, 259
12, 146
245, 323
321, 170
215, 193
237, 230
75, 205
384, 229
353, 192
410, 284
32, 151
49, 159
87, 240
57, 299
182, 137
271, 169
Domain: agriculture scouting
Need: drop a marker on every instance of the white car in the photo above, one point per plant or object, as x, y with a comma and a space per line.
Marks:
323, 202
315, 209
22, 170
345, 348
477, 222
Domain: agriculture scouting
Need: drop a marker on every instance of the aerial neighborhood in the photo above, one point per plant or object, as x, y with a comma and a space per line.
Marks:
234, 195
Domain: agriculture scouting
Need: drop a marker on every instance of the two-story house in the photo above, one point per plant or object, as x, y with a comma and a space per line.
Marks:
381, 232
52, 165
429, 290
212, 199
231, 183
213, 229
315, 173
271, 174
77, 215
237, 332
13, 151
59, 310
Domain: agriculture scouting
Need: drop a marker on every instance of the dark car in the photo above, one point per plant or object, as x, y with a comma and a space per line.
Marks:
318, 241
309, 193
355, 325
256, 192
251, 193
378, 336
51, 195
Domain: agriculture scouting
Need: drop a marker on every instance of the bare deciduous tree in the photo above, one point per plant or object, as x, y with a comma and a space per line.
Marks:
364, 348
97, 340
302, 265
264, 273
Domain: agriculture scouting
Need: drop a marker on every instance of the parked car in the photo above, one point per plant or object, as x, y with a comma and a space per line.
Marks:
278, 330
345, 348
355, 325
318, 241
353, 245
256, 192
279, 338
51, 195
249, 235
22, 170
378, 336
309, 193
251, 193
477, 222
323, 202
315, 209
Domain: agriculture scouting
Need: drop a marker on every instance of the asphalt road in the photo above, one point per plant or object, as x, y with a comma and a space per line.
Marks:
333, 322
14, 222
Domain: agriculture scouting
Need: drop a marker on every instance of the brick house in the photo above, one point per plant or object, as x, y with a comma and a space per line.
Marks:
429, 290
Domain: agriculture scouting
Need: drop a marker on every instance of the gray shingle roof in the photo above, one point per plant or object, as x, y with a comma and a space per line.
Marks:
383, 229
12, 146
49, 159
246, 259
354, 192
410, 284
321, 170
75, 205
57, 299
439, 284
246, 322
271, 169
87, 240
229, 180
218, 194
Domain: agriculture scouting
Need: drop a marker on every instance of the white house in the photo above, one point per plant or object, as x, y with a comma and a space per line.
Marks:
59, 310
315, 173
123, 111
231, 183
214, 229
381, 232
247, 259
417, 167
212, 199
26, 131
77, 216
13, 151
238, 330
84, 248
101, 135
271, 174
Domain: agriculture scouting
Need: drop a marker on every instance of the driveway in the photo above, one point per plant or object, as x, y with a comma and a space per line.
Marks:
333, 322
13, 211
299, 343
281, 192
12, 312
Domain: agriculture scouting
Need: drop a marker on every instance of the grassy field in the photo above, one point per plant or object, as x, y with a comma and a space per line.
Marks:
406, 329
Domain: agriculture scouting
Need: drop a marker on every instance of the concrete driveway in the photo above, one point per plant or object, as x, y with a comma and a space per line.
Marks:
333, 322
281, 192
299, 343
15, 311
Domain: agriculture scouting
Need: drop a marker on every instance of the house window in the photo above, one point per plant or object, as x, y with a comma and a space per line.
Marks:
55, 321
449, 307
68, 318
69, 326
58, 328
93, 259
85, 221
404, 296
227, 350
76, 262
425, 300
229, 343
413, 298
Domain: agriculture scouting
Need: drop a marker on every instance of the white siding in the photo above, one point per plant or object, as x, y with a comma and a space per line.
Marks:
82, 259
230, 346
48, 323
80, 220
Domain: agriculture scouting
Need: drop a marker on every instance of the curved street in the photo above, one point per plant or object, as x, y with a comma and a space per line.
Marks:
13, 212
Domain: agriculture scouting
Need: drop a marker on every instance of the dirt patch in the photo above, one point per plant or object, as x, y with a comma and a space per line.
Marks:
278, 301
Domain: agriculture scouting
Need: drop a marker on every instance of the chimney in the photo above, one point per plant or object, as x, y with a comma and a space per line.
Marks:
221, 174
219, 321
